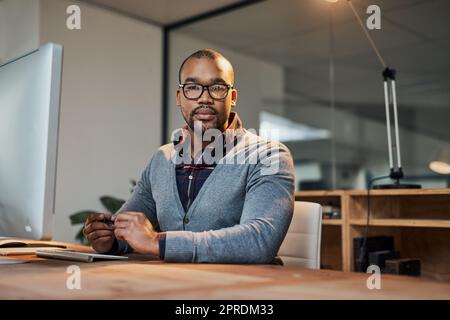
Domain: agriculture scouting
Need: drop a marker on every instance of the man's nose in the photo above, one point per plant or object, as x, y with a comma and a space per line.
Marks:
205, 98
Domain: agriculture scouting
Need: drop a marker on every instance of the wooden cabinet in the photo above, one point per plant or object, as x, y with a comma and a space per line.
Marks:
419, 221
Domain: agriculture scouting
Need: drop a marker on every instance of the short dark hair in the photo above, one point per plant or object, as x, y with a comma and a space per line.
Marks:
202, 53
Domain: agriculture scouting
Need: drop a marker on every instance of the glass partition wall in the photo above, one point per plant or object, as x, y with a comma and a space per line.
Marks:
306, 69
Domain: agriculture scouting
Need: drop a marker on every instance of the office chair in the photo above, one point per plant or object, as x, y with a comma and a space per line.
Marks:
301, 246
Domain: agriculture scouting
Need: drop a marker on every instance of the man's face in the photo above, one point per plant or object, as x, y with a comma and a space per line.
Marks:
210, 112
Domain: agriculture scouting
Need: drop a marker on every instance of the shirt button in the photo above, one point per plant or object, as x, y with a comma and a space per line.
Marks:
186, 220
190, 177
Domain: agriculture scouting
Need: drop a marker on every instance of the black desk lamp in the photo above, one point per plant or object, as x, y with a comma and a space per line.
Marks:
396, 172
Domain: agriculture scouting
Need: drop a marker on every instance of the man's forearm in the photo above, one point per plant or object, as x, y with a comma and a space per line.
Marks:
255, 242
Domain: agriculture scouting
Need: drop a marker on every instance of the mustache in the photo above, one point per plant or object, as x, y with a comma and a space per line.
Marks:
204, 107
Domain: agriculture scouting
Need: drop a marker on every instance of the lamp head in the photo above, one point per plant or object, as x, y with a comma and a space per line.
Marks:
439, 167
440, 164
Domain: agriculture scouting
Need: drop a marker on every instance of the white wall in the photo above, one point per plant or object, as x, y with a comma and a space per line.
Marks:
255, 80
19, 27
110, 105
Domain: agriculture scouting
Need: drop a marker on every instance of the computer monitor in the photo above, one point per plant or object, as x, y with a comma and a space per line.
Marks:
29, 120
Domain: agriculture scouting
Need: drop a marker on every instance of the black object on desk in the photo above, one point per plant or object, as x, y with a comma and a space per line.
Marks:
381, 243
379, 258
410, 267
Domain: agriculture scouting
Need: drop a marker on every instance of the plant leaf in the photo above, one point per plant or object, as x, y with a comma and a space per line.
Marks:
81, 216
111, 204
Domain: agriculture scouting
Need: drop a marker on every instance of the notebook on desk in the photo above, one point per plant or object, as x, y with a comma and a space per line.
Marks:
20, 243
7, 261
77, 256
14, 246
27, 250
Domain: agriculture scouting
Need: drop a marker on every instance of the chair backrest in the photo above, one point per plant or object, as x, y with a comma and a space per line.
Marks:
301, 246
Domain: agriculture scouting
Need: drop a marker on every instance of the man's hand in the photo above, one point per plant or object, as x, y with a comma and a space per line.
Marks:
137, 230
99, 234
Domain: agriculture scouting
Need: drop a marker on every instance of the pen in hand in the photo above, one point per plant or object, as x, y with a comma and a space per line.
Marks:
107, 221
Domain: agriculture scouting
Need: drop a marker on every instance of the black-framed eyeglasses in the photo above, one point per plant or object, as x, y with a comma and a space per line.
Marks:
193, 91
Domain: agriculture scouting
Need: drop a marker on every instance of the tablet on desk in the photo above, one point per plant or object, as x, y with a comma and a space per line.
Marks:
77, 256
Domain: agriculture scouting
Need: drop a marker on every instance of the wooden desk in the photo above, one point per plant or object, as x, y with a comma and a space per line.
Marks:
141, 278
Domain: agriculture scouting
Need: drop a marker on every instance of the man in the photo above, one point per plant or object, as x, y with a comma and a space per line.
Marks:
233, 207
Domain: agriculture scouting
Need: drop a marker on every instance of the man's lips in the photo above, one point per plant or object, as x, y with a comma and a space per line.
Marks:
205, 114
205, 111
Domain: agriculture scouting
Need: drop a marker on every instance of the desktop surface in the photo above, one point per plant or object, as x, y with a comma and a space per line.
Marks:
142, 277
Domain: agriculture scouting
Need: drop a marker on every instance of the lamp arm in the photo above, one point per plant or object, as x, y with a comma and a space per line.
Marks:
389, 76
388, 124
397, 139
372, 43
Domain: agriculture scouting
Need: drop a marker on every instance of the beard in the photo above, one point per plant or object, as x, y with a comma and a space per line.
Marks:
217, 123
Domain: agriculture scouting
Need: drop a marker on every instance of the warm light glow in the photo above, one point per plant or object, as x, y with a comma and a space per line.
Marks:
332, 0
439, 167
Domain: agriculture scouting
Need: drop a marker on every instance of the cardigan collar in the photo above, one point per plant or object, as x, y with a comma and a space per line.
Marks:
181, 137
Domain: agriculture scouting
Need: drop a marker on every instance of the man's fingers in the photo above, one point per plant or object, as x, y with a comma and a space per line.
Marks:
123, 217
104, 239
94, 217
99, 233
97, 226
128, 215
98, 217
107, 216
94, 235
121, 224
121, 234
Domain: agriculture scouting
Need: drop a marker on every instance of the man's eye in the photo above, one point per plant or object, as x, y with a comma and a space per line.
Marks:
217, 88
192, 87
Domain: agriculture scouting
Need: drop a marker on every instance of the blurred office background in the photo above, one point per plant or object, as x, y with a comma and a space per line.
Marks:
302, 66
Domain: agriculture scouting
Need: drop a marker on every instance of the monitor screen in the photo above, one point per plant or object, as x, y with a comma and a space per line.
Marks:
29, 119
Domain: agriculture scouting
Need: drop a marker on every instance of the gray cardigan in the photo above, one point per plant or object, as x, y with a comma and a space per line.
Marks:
241, 214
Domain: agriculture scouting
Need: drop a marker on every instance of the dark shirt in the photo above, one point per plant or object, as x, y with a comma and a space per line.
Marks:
190, 179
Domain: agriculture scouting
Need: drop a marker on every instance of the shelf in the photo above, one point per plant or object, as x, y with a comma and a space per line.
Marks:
332, 222
324, 193
418, 219
427, 223
400, 192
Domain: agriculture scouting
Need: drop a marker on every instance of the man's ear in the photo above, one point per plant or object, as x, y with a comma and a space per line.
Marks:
233, 98
178, 97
